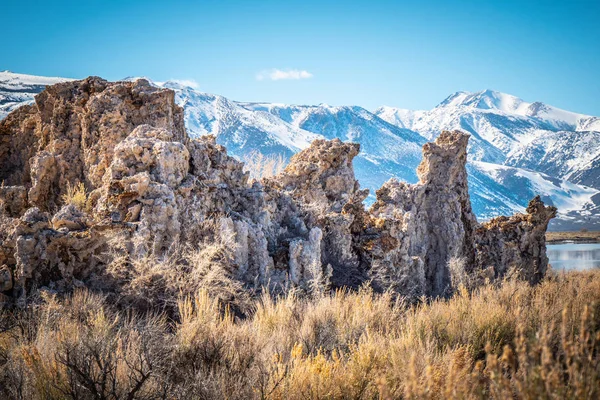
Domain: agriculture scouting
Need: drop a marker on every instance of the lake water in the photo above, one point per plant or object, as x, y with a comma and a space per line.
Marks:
574, 256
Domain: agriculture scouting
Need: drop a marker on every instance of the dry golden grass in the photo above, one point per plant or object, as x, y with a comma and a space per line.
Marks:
76, 195
146, 282
505, 341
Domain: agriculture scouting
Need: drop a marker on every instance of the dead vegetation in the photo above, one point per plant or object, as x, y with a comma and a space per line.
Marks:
261, 166
76, 195
505, 341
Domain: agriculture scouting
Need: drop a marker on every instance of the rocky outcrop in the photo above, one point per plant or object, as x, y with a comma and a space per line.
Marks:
155, 189
320, 183
421, 231
40, 254
422, 227
69, 135
516, 243
13, 200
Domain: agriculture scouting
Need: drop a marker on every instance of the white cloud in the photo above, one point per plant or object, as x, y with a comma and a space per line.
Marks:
278, 74
186, 82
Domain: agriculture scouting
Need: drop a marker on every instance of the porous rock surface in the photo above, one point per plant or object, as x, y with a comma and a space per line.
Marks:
152, 184
422, 227
507, 243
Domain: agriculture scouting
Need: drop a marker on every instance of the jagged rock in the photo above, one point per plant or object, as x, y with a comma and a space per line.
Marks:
13, 200
69, 135
6, 281
422, 227
44, 177
156, 188
516, 242
321, 181
305, 260
40, 255
70, 218
139, 185
323, 175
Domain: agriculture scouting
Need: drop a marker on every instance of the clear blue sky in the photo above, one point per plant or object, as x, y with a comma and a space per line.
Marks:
409, 54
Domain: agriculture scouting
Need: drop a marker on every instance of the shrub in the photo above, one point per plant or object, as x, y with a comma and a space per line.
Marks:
149, 282
76, 195
505, 341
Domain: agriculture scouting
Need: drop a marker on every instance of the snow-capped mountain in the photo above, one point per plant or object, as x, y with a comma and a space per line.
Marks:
239, 129
499, 189
509, 131
500, 124
517, 148
572, 155
19, 89
398, 116
386, 150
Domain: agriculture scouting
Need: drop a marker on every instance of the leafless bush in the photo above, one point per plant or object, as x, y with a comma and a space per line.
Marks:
152, 282
262, 166
81, 349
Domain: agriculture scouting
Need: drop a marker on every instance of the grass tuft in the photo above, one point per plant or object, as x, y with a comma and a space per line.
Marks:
76, 195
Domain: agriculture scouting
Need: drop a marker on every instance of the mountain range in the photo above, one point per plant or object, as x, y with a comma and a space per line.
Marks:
517, 149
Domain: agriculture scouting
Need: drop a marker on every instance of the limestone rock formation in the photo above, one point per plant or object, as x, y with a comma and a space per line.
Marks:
155, 188
69, 135
13, 200
516, 242
422, 227
321, 184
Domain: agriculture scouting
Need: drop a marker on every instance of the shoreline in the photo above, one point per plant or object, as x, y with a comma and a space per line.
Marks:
572, 237
567, 241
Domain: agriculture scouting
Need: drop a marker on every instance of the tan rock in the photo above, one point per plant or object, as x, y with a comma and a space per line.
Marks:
516, 243
69, 217
155, 188
6, 281
13, 200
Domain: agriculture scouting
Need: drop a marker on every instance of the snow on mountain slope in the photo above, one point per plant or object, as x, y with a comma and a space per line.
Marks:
564, 195
382, 144
504, 129
509, 131
577, 205
400, 117
21, 82
344, 122
500, 123
589, 124
239, 129
19, 89
509, 104
569, 155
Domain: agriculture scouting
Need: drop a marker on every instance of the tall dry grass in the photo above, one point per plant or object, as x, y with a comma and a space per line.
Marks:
505, 341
